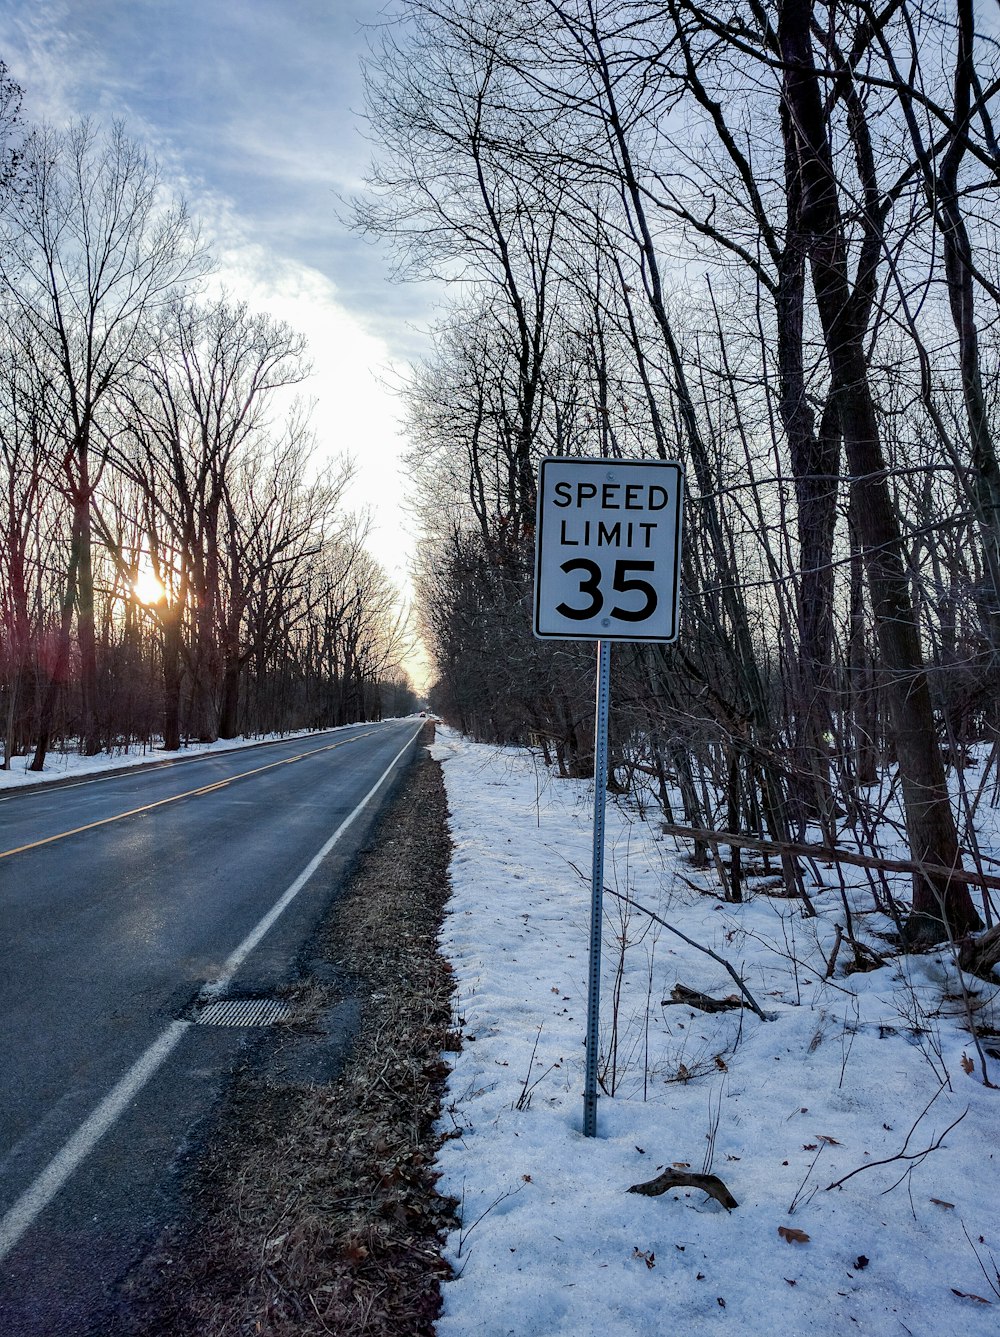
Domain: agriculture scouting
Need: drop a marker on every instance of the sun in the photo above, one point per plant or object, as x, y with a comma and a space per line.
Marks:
148, 588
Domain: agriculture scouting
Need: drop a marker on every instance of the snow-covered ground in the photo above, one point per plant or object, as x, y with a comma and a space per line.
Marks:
852, 1079
857, 1075
71, 766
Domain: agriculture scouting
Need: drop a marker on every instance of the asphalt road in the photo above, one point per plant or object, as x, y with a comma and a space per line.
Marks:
124, 900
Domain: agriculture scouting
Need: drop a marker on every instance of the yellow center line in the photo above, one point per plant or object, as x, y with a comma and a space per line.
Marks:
175, 798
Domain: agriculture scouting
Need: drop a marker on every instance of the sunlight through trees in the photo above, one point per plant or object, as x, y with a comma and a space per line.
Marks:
177, 560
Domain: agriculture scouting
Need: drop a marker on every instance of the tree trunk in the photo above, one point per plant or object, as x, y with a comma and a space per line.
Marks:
957, 249
89, 730
172, 678
815, 462
60, 666
229, 714
940, 905
19, 637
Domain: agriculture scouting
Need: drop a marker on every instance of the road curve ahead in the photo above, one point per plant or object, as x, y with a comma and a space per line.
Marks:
123, 900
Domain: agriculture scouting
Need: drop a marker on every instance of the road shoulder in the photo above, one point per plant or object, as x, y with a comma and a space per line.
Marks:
312, 1206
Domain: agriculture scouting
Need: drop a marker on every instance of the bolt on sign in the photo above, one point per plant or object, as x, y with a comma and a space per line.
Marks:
607, 556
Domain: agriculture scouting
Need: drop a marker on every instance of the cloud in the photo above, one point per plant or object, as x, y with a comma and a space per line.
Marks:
40, 54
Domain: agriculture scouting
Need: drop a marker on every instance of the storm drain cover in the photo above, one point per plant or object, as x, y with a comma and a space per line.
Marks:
242, 1012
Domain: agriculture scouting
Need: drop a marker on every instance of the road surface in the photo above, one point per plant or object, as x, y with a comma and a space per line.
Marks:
126, 900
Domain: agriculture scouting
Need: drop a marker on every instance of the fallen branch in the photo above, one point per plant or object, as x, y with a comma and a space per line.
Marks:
699, 947
831, 964
710, 1184
833, 853
681, 994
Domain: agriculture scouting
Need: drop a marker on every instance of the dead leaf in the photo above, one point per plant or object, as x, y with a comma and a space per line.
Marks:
831, 1141
648, 1258
967, 1295
808, 1146
940, 1202
968, 1066
720, 1063
792, 1235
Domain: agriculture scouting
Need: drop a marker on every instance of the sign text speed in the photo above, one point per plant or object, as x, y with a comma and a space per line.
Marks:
607, 559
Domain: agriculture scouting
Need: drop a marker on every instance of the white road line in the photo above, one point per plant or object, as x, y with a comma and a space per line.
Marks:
38, 1196
73, 1152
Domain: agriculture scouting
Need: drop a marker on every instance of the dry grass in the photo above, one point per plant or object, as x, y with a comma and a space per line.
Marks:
317, 1213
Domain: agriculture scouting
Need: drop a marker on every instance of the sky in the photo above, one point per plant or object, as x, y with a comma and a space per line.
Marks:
252, 109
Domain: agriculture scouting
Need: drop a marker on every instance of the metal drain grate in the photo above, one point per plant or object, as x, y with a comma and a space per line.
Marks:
242, 1012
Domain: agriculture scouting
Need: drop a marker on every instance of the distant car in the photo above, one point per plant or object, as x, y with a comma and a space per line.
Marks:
423, 714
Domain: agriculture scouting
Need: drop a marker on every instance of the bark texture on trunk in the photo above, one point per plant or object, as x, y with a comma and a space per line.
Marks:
815, 460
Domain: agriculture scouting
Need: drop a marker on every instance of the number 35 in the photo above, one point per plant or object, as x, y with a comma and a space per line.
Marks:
590, 585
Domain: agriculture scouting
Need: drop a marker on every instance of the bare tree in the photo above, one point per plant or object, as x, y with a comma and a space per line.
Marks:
276, 524
208, 380
453, 200
27, 519
90, 248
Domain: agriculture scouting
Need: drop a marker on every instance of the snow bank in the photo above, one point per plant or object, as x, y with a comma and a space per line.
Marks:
71, 766
833, 1083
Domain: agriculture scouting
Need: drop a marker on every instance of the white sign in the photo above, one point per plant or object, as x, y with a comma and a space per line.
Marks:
607, 549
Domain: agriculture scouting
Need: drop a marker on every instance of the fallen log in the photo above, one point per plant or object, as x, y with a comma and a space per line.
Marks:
980, 956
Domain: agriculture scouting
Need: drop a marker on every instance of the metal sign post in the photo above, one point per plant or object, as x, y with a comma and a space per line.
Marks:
597, 887
607, 567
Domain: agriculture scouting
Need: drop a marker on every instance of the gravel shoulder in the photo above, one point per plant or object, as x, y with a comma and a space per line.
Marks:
311, 1207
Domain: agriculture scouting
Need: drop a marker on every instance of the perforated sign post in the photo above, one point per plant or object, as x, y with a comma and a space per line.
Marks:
607, 568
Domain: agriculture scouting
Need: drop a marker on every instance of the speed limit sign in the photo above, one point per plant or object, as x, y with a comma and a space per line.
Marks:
607, 555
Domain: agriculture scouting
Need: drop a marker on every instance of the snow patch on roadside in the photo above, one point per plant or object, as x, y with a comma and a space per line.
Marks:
551, 1242
71, 766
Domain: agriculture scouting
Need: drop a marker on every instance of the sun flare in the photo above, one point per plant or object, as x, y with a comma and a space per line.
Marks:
148, 588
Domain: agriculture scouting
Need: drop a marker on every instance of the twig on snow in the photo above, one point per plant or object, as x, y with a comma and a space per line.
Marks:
903, 1154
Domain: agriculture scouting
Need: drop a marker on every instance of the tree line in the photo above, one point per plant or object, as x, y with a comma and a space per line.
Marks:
758, 238
176, 559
